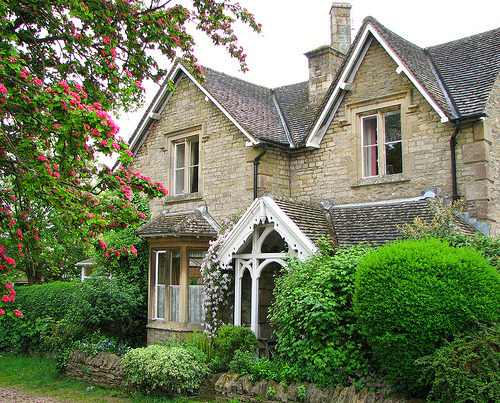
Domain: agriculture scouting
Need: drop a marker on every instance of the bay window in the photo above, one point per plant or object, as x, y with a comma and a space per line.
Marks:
177, 287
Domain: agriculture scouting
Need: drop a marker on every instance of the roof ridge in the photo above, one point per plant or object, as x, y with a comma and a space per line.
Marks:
463, 38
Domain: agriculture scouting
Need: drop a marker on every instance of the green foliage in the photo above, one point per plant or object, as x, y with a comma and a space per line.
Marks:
467, 369
42, 305
200, 341
96, 343
171, 370
52, 299
412, 295
110, 307
56, 314
314, 318
242, 362
227, 341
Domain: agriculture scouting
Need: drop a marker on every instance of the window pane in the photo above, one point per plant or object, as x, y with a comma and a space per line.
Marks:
370, 131
161, 271
393, 158
173, 291
194, 157
179, 155
195, 285
193, 179
392, 127
370, 161
179, 181
175, 267
162, 267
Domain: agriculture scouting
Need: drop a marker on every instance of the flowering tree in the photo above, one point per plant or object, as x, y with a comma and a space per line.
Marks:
62, 65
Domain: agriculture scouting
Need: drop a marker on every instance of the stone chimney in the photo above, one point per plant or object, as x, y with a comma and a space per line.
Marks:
326, 60
340, 17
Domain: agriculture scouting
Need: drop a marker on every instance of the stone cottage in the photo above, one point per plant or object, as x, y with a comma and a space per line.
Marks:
381, 127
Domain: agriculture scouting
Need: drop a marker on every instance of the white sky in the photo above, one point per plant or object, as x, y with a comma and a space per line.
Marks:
291, 28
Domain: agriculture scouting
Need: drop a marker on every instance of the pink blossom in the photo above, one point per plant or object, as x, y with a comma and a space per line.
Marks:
10, 261
37, 81
106, 39
18, 313
3, 90
56, 126
90, 215
64, 84
129, 153
115, 145
20, 234
133, 250
56, 174
107, 255
2, 312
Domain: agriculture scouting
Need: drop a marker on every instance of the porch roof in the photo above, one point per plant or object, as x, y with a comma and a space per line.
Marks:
180, 223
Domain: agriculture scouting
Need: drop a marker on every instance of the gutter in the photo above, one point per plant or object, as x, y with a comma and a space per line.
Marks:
256, 163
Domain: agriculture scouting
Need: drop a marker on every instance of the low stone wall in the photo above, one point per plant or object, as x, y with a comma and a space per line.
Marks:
246, 390
105, 369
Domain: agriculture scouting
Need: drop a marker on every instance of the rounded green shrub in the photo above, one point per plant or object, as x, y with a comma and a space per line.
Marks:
467, 369
166, 369
411, 296
227, 341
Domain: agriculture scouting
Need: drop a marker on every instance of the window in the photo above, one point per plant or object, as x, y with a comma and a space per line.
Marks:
381, 153
186, 165
168, 296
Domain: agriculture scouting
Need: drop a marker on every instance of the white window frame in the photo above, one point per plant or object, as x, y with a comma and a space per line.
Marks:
157, 287
381, 142
188, 166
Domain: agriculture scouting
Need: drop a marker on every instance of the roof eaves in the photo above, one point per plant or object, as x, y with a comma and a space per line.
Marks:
403, 67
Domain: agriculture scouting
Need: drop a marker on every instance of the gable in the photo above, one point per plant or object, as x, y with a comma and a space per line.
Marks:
424, 79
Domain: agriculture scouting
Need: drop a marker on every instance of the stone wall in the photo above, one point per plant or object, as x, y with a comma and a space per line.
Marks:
105, 369
246, 390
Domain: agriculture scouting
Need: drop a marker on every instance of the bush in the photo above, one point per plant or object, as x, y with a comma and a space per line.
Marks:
171, 370
227, 341
314, 318
410, 296
110, 307
468, 369
42, 305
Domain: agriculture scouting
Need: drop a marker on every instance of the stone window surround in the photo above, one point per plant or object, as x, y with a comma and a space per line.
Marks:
172, 138
355, 111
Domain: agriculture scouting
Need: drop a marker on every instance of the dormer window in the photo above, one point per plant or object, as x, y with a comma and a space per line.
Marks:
381, 144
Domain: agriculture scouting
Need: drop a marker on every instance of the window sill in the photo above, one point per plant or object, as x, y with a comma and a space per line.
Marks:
173, 326
182, 198
381, 180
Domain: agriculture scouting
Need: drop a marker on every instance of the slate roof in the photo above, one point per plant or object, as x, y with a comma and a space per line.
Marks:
182, 223
377, 223
311, 218
469, 67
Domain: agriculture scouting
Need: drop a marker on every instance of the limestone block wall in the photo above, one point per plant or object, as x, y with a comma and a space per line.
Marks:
105, 369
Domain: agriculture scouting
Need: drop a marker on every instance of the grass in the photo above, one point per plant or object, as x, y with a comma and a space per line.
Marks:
39, 375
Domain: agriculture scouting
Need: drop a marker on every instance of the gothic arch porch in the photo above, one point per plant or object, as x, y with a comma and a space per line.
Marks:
270, 231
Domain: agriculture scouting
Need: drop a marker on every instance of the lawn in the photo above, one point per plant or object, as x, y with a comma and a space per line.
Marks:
39, 375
